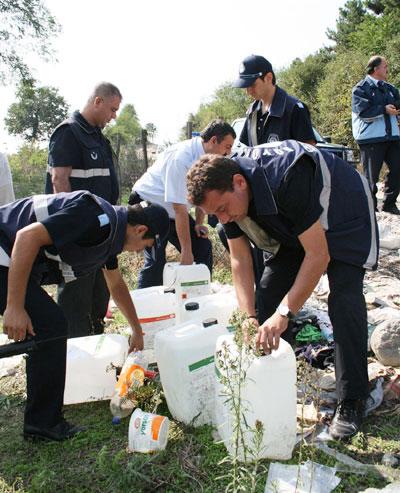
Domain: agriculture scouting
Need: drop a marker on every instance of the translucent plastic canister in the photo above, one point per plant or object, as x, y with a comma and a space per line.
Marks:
156, 309
185, 357
188, 281
92, 363
268, 395
217, 305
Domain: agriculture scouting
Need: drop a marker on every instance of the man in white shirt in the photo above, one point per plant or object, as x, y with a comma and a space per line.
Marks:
6, 184
164, 183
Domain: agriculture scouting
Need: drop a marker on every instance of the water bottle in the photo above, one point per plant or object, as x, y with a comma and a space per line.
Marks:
131, 377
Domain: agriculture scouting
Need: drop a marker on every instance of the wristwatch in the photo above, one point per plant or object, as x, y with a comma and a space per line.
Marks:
285, 312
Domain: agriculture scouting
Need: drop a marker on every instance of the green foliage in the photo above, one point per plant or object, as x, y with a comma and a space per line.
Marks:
126, 128
350, 17
334, 95
125, 137
36, 113
302, 77
151, 130
26, 27
28, 168
227, 103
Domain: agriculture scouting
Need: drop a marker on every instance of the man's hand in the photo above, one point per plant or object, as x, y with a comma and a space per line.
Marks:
201, 230
16, 324
270, 331
391, 110
187, 257
136, 341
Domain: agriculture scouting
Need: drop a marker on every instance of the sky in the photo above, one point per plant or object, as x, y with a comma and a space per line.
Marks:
169, 56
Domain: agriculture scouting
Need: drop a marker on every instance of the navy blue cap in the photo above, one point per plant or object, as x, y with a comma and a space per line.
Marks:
252, 67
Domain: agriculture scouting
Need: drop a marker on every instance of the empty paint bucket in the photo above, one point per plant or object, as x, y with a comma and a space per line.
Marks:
147, 432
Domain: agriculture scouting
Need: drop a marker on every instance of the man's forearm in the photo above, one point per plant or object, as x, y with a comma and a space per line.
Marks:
243, 276
60, 179
183, 230
200, 215
120, 294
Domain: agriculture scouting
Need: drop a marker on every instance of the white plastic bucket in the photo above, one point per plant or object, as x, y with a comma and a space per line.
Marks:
91, 361
147, 432
268, 395
187, 280
185, 358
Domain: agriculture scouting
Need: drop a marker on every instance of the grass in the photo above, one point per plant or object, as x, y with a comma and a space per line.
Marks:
98, 460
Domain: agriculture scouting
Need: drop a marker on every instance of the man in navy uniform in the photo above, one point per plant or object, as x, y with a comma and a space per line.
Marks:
274, 115
375, 110
313, 213
81, 158
47, 239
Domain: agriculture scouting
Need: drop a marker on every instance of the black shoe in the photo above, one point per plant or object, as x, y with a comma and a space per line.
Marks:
347, 419
62, 431
391, 209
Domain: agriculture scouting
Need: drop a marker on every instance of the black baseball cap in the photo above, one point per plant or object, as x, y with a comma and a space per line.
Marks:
251, 68
157, 220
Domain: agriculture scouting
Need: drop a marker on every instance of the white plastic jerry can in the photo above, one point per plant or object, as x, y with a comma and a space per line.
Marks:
268, 395
217, 305
91, 367
156, 309
187, 280
185, 357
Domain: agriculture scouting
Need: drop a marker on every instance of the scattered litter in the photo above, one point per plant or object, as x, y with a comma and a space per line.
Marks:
8, 366
339, 456
390, 488
307, 413
321, 290
307, 477
375, 398
309, 333
387, 238
390, 460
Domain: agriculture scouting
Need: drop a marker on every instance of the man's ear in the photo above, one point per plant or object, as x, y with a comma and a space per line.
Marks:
239, 181
141, 229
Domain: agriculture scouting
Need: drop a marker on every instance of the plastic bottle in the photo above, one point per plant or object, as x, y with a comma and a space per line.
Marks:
131, 377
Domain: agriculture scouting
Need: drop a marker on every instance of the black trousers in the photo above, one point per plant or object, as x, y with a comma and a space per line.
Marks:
372, 158
84, 302
346, 308
152, 272
45, 367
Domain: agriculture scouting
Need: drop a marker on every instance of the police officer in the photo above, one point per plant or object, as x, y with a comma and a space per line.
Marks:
274, 115
81, 158
43, 239
375, 109
314, 213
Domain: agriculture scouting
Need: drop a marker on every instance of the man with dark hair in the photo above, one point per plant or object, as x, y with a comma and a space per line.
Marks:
313, 213
81, 158
274, 115
164, 183
375, 107
45, 239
